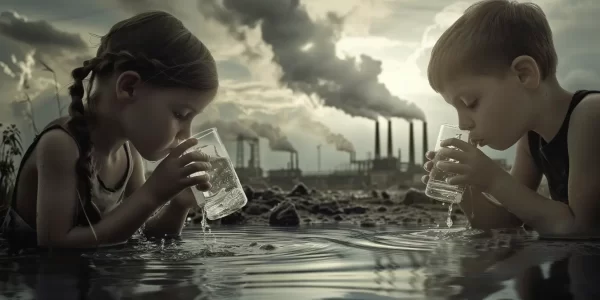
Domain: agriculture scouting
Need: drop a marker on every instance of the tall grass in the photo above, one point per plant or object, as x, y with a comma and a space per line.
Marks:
10, 149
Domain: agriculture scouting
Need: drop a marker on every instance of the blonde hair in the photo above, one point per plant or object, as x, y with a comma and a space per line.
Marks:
488, 37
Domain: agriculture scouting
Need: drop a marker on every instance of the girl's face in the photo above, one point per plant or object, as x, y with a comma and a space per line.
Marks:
157, 119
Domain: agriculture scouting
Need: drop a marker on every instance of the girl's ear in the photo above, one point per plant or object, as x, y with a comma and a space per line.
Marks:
126, 86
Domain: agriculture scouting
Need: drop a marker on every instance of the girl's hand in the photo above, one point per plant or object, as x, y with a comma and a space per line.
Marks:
473, 167
428, 165
173, 174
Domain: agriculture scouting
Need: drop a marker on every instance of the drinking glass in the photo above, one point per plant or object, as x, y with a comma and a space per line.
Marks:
226, 194
437, 187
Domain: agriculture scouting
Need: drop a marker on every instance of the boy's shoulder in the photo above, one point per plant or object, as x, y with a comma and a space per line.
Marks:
589, 105
585, 118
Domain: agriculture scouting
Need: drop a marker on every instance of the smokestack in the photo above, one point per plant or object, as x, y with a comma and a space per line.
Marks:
257, 158
389, 142
377, 146
239, 162
425, 146
411, 145
251, 162
297, 165
291, 160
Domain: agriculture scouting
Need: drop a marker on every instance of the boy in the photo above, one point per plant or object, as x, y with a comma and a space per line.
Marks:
496, 65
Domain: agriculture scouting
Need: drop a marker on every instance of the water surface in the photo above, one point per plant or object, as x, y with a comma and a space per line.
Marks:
315, 262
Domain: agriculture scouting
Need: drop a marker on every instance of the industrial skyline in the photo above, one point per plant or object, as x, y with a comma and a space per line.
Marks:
390, 39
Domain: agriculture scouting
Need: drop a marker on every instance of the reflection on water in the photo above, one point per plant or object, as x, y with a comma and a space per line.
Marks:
325, 262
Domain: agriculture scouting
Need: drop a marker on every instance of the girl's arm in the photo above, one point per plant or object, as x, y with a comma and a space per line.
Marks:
57, 200
582, 215
170, 219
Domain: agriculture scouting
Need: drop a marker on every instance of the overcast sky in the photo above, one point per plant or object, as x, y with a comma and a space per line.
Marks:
391, 40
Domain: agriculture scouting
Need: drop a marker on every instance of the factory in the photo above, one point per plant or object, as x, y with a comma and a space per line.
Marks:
378, 171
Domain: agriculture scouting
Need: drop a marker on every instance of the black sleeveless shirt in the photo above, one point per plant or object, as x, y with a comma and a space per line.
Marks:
552, 158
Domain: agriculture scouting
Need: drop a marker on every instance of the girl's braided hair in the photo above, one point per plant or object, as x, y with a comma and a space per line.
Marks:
160, 49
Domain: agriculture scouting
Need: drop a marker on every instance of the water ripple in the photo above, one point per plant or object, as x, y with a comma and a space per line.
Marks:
321, 262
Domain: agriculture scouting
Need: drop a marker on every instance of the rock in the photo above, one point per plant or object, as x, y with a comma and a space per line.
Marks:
274, 201
253, 244
284, 214
408, 220
299, 190
338, 218
258, 194
236, 218
388, 202
415, 196
327, 211
385, 195
374, 194
332, 206
268, 194
255, 209
382, 209
315, 209
367, 223
249, 192
355, 210
267, 247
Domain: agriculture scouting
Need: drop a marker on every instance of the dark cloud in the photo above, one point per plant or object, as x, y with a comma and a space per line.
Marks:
306, 52
138, 6
39, 34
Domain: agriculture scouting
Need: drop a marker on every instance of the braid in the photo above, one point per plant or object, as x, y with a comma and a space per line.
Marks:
80, 127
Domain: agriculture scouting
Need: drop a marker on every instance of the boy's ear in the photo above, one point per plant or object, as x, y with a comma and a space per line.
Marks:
527, 71
126, 85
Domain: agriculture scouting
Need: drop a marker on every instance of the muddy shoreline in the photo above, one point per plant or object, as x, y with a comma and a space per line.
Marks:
304, 206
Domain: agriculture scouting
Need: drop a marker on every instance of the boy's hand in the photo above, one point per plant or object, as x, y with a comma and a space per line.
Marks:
473, 167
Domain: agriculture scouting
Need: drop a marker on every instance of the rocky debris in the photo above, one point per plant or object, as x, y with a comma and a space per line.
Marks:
267, 247
302, 205
413, 196
284, 214
385, 195
299, 190
236, 218
249, 193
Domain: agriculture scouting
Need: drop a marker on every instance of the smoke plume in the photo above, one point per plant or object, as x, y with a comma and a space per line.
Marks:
306, 52
277, 140
228, 130
319, 129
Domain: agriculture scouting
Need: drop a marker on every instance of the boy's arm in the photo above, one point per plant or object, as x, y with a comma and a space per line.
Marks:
487, 215
170, 219
582, 215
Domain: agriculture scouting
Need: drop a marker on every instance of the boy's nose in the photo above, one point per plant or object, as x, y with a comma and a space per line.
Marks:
185, 133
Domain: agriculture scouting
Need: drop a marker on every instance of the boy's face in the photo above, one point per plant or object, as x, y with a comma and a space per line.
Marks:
494, 109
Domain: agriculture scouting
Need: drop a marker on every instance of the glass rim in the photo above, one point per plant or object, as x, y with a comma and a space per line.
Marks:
451, 126
204, 133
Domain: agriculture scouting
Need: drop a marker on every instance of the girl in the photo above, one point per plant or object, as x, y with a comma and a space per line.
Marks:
81, 182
